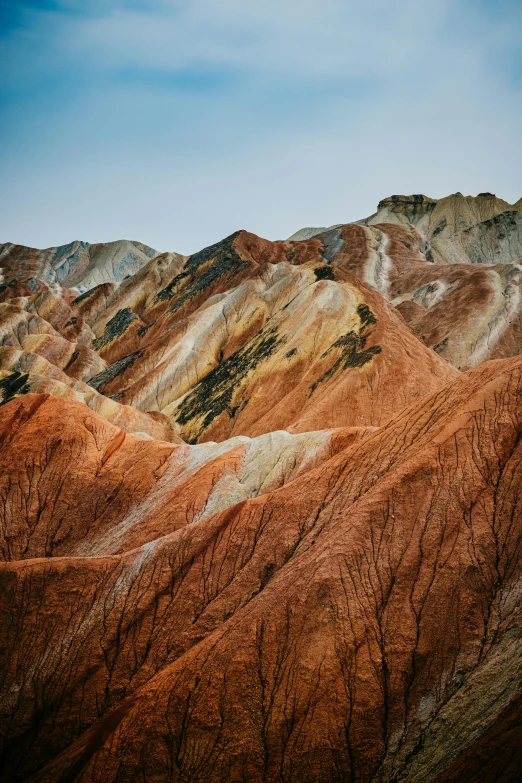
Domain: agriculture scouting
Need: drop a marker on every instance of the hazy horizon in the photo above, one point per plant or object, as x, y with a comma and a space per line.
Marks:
176, 123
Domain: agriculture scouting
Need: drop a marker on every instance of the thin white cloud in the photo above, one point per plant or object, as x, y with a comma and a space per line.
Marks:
288, 40
330, 107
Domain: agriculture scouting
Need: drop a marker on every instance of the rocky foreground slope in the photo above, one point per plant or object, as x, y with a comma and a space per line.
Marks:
261, 513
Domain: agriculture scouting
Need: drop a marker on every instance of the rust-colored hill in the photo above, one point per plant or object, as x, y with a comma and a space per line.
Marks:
361, 622
261, 506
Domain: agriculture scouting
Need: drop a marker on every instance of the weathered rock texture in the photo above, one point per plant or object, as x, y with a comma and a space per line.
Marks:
75, 264
452, 267
244, 338
261, 512
360, 622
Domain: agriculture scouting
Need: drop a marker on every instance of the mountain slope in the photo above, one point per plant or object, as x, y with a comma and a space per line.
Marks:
246, 337
452, 267
333, 629
260, 509
75, 264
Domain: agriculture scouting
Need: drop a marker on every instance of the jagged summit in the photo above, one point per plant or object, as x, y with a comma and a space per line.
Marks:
417, 198
457, 229
470, 209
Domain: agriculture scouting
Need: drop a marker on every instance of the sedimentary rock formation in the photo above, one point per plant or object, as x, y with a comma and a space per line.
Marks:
452, 267
261, 512
75, 264
361, 622
246, 337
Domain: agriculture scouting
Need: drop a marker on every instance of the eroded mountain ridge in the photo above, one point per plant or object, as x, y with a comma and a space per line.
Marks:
261, 514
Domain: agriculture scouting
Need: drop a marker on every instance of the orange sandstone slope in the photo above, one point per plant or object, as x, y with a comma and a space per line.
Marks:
73, 484
358, 622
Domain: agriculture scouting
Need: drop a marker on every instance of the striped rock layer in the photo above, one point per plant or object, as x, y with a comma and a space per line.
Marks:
261, 514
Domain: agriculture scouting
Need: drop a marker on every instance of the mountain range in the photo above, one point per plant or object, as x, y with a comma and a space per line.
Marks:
262, 505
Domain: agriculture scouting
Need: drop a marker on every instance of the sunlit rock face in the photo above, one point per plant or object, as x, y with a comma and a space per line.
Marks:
261, 514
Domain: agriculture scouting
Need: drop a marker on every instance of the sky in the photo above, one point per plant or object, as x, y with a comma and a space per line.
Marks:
177, 122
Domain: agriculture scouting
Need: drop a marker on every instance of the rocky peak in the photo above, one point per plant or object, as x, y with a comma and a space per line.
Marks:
392, 202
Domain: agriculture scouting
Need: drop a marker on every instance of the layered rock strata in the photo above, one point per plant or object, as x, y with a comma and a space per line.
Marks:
260, 506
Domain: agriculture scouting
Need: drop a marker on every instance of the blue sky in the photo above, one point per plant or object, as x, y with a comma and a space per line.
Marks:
177, 122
